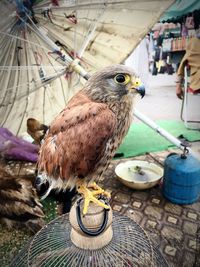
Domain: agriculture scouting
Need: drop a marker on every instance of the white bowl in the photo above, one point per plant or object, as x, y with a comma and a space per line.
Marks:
139, 174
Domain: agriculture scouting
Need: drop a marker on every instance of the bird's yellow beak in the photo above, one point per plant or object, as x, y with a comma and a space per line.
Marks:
137, 85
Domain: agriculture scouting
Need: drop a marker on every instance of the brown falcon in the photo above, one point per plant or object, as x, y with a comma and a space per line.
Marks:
83, 138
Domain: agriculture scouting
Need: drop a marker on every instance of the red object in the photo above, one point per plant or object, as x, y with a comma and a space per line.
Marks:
195, 92
55, 2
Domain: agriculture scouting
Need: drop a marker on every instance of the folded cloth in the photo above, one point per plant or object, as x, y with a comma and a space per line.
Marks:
15, 148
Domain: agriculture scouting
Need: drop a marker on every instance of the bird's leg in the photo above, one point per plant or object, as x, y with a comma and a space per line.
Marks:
90, 195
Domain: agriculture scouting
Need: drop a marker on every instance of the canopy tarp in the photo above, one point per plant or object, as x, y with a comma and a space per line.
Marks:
39, 37
180, 8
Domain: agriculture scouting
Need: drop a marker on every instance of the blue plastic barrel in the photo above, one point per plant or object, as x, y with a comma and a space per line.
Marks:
181, 182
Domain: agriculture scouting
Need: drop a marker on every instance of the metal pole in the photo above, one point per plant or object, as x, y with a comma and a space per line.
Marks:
163, 132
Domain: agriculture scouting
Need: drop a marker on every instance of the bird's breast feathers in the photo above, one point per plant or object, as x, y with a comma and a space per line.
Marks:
81, 138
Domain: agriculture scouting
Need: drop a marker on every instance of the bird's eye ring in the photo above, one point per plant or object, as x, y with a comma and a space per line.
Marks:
122, 78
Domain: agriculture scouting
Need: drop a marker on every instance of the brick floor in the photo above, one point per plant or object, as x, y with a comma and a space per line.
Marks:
173, 228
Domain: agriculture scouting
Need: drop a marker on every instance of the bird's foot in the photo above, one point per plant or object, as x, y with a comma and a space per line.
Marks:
91, 196
99, 191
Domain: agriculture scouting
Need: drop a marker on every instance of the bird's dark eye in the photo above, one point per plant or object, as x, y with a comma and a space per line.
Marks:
122, 78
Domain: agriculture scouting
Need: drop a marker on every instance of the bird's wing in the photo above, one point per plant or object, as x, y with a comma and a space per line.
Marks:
18, 198
77, 139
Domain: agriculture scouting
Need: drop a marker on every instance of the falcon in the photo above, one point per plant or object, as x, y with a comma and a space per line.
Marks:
83, 138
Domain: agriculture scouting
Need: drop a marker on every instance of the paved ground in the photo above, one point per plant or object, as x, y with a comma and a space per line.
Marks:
161, 103
173, 228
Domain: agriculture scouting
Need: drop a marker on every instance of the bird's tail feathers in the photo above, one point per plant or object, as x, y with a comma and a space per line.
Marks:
51, 185
43, 185
46, 193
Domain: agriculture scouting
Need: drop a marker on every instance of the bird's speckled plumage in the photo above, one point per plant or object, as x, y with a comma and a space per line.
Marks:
83, 138
19, 202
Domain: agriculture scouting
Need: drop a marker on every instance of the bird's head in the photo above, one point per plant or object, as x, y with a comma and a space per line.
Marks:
114, 82
36, 130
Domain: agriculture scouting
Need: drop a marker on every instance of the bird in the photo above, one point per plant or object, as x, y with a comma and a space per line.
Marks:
83, 137
36, 130
19, 203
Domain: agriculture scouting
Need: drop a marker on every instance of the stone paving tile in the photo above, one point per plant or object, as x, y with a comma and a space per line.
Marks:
117, 207
189, 260
172, 208
192, 215
151, 224
194, 206
155, 200
172, 219
172, 233
142, 195
170, 250
123, 198
137, 204
189, 227
153, 212
192, 244
137, 216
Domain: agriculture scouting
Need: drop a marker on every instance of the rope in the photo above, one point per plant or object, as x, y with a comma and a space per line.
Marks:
22, 39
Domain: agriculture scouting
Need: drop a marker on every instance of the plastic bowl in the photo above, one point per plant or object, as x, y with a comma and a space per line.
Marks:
138, 174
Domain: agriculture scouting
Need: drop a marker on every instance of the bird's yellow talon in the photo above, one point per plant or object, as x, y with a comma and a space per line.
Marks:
90, 196
99, 190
